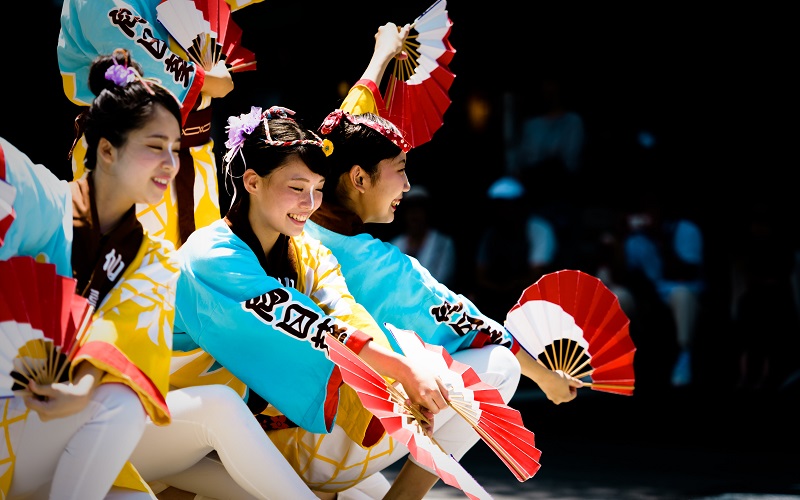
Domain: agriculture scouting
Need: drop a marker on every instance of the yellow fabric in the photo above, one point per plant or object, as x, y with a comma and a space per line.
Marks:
161, 219
197, 367
240, 4
359, 100
11, 425
136, 318
329, 462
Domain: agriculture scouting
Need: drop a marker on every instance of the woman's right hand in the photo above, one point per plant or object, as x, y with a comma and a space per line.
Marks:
218, 81
52, 401
389, 41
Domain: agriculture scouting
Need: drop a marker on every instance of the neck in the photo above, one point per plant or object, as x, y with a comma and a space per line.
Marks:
267, 237
111, 205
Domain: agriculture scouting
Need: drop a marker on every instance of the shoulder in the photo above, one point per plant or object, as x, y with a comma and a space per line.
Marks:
215, 248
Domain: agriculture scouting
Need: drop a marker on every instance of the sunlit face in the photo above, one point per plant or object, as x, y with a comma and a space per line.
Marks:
144, 166
285, 199
383, 194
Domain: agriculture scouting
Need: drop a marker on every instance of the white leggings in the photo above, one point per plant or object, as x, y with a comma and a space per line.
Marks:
214, 417
495, 365
78, 457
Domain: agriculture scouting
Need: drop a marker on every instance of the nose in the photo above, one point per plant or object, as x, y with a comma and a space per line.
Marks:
172, 161
407, 184
307, 201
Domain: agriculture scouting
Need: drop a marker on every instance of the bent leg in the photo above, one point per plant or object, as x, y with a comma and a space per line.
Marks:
82, 453
214, 417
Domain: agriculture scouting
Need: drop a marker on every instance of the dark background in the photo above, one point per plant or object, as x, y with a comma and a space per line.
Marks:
715, 86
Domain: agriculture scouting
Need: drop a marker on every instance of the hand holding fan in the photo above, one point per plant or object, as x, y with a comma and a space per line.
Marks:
41, 321
206, 31
416, 95
401, 420
500, 426
571, 322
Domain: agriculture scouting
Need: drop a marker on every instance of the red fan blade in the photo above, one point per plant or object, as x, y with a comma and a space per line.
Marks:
416, 95
184, 20
591, 307
499, 426
376, 397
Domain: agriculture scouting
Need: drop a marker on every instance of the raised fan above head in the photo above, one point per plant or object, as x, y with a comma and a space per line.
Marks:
570, 321
417, 92
41, 320
207, 32
401, 420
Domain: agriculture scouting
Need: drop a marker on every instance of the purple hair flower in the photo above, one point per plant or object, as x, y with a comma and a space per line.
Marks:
239, 127
120, 75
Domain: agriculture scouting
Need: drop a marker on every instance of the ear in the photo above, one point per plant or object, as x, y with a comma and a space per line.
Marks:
106, 152
357, 178
251, 181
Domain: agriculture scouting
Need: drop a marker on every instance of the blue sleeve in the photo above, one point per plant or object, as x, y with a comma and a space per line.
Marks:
42, 226
396, 289
269, 336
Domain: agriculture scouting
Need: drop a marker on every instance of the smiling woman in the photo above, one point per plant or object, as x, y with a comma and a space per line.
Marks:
86, 424
259, 299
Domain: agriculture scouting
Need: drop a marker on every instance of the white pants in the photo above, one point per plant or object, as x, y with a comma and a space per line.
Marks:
214, 417
78, 457
495, 365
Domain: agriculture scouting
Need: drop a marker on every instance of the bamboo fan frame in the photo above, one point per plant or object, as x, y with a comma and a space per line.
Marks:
43, 362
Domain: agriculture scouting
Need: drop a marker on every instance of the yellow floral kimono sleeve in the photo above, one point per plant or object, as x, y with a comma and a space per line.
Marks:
130, 336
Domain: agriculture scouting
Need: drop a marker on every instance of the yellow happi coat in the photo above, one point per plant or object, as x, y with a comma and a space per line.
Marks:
130, 336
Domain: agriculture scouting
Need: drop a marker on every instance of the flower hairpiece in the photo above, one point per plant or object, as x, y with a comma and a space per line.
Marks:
238, 128
392, 133
122, 75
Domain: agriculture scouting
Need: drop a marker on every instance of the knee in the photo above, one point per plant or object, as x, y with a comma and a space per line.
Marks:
119, 404
503, 371
216, 401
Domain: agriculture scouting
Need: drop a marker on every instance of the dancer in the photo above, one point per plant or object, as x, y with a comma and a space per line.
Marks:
366, 185
89, 28
72, 439
257, 296
331, 462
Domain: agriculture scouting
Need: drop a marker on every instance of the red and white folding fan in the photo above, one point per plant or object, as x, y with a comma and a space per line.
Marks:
401, 420
206, 31
500, 426
416, 94
41, 321
570, 321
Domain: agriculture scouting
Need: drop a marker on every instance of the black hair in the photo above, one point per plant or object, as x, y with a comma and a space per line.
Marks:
263, 158
117, 110
358, 144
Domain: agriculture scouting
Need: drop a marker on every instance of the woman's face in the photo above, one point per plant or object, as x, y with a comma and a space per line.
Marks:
383, 194
148, 160
285, 199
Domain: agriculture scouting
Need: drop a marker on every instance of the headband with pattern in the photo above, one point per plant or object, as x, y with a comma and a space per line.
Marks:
391, 133
240, 127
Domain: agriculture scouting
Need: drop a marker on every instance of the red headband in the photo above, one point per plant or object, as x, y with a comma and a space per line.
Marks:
391, 133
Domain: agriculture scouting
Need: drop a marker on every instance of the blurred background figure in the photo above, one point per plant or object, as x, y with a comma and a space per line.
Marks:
431, 247
516, 247
550, 143
666, 249
765, 317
